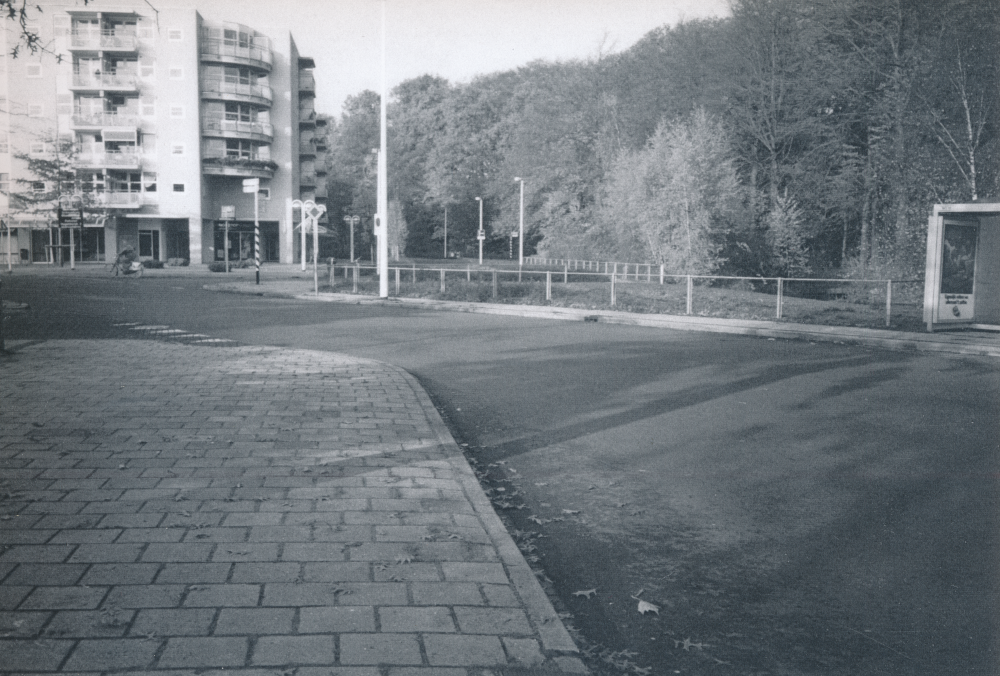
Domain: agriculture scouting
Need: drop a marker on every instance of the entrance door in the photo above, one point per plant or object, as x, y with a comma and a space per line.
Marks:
149, 244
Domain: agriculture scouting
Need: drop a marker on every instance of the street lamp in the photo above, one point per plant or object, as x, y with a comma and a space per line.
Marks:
446, 230
482, 233
520, 228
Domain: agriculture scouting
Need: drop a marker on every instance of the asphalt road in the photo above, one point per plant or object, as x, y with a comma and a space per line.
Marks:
789, 507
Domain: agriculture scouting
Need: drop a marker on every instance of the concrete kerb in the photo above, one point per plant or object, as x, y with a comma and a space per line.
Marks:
973, 344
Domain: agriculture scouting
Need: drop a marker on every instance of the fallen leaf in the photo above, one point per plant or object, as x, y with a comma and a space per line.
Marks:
571, 511
404, 558
587, 593
647, 607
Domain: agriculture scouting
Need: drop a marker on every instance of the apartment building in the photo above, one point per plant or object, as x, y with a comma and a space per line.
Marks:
142, 133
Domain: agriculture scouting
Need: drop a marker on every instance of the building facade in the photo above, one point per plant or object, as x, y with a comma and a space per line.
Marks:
142, 133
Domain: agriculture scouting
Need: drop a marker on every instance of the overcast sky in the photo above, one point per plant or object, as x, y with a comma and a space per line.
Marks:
455, 39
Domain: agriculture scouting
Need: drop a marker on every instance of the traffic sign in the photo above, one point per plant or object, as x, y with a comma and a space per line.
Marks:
228, 213
251, 185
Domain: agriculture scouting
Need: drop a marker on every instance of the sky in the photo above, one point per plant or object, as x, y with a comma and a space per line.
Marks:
454, 39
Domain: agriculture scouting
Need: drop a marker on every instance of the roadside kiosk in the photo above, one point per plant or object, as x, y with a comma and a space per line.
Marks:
962, 282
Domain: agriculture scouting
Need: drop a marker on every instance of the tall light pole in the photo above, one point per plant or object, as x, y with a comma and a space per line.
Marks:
520, 227
481, 235
382, 221
445, 231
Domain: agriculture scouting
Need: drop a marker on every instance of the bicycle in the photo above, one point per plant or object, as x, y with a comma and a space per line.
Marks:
124, 265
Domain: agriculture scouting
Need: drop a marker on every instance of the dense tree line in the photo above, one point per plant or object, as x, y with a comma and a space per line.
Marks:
794, 136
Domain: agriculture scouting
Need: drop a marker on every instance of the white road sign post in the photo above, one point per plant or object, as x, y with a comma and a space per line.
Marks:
253, 185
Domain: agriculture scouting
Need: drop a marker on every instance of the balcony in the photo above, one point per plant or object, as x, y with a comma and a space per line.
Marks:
231, 91
223, 165
225, 51
321, 193
255, 131
307, 83
107, 41
307, 117
123, 82
307, 178
108, 160
118, 200
104, 120
307, 148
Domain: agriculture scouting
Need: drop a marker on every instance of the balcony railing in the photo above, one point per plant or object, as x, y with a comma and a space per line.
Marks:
118, 200
321, 193
307, 148
243, 92
307, 115
248, 167
127, 81
118, 160
214, 49
222, 127
105, 120
307, 83
109, 41
307, 178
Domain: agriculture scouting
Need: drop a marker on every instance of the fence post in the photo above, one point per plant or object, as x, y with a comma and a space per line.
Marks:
888, 302
690, 295
616, 269
442, 280
355, 277
397, 281
781, 288
548, 285
414, 266
661, 274
613, 275
565, 274
649, 273
468, 273
494, 283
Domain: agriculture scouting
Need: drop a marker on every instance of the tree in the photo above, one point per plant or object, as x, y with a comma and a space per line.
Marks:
677, 197
19, 12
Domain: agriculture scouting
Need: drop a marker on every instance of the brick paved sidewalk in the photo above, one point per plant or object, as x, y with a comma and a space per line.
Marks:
178, 507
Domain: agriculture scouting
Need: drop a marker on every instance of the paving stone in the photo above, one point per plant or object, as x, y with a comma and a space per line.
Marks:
11, 596
247, 551
500, 595
204, 652
283, 650
416, 620
492, 620
193, 573
446, 594
91, 536
259, 572
36, 554
26, 537
255, 621
173, 622
223, 595
182, 551
336, 572
524, 651
103, 553
108, 654
313, 551
145, 596
457, 650
37, 574
151, 535
380, 649
335, 620
31, 656
89, 623
340, 671
432, 671
21, 624
474, 572
59, 598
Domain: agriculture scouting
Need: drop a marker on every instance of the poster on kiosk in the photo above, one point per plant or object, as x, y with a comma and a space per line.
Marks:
957, 295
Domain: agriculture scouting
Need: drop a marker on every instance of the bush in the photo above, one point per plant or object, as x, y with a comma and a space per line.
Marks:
217, 266
152, 265
177, 262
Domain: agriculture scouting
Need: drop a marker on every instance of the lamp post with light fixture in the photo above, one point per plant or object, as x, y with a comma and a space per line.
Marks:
481, 236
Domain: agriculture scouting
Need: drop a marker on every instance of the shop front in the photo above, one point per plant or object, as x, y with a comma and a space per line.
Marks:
237, 238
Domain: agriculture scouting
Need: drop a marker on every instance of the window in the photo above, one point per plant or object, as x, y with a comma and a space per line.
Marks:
148, 143
178, 187
148, 106
234, 75
38, 187
149, 181
34, 110
147, 66
175, 34
176, 73
240, 112
176, 111
4, 146
32, 70
36, 148
149, 244
177, 149
239, 148
5, 183
265, 193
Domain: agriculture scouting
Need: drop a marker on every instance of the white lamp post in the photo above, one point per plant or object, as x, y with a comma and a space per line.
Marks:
482, 233
520, 228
